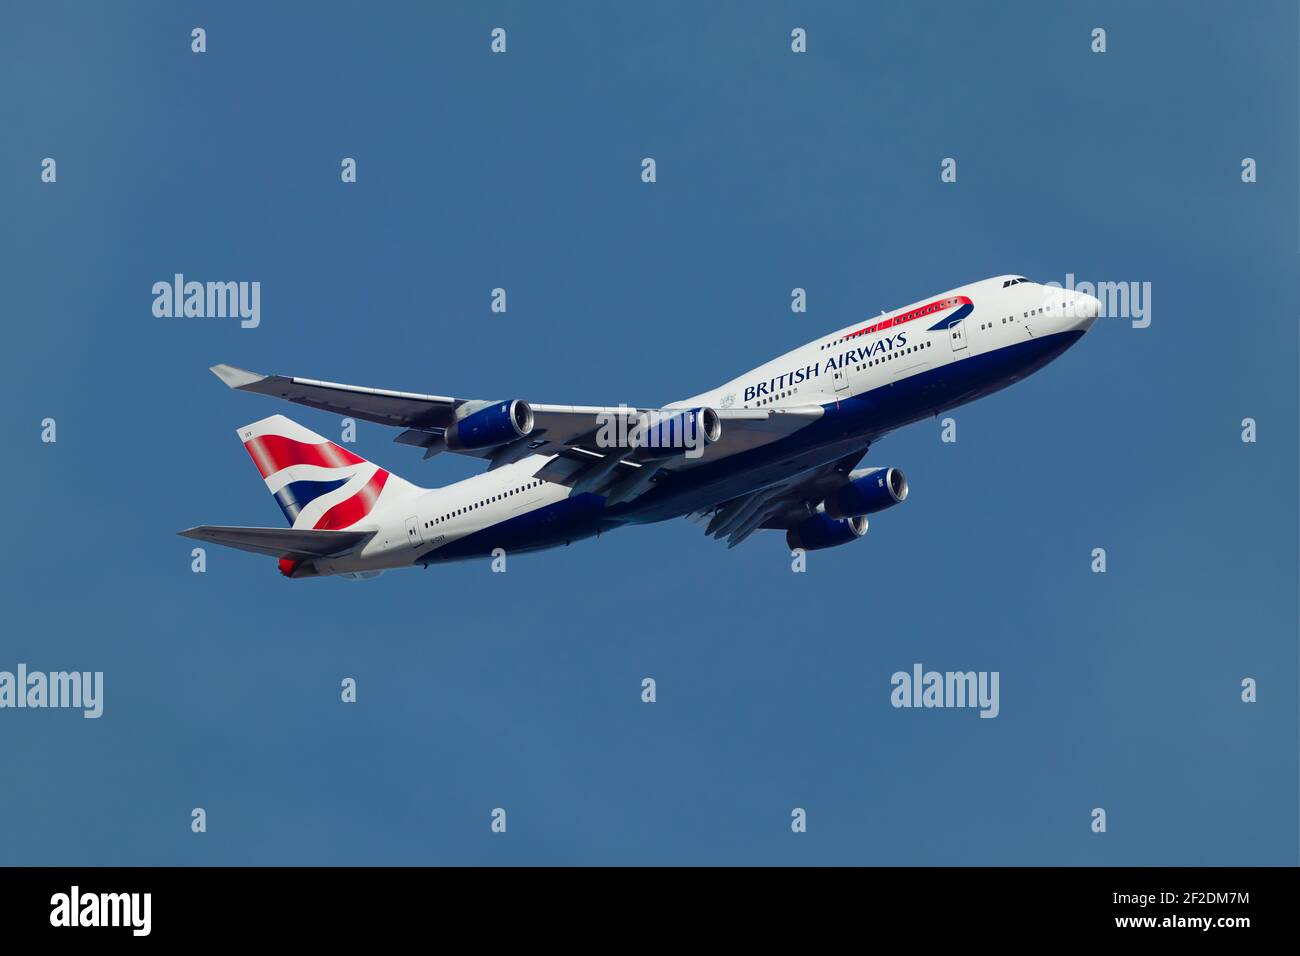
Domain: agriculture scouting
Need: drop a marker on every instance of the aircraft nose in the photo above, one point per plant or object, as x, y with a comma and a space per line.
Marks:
1083, 309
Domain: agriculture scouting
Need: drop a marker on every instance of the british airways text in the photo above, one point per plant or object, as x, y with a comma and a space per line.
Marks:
844, 359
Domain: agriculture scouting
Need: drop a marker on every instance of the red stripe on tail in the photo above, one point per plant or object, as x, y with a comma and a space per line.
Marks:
352, 510
272, 453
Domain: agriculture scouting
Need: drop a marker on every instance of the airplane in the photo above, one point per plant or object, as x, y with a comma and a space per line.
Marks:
775, 448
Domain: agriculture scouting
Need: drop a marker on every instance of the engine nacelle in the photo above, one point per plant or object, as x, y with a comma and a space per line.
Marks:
494, 425
679, 429
822, 531
867, 492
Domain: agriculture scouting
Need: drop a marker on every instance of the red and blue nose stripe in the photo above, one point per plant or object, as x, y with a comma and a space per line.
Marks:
953, 308
964, 308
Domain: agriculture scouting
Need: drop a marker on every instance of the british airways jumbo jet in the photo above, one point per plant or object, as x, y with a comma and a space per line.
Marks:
776, 448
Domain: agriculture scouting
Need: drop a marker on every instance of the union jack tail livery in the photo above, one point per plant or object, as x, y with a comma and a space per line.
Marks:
331, 498
317, 484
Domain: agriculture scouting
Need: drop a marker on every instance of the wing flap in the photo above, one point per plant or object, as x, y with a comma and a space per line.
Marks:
571, 465
772, 507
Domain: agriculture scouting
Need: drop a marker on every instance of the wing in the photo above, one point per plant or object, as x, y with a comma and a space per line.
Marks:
782, 505
570, 432
281, 542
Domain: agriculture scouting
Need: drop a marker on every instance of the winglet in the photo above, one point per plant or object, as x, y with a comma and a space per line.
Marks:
236, 377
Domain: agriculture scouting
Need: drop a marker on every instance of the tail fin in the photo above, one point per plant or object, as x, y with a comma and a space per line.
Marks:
318, 484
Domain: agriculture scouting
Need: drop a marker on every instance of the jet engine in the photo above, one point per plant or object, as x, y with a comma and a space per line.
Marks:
497, 424
867, 491
822, 531
666, 434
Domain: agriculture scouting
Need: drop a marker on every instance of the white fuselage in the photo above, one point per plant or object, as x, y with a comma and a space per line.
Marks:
859, 361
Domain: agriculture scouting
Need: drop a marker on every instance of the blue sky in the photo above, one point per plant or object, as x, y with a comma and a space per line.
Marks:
775, 170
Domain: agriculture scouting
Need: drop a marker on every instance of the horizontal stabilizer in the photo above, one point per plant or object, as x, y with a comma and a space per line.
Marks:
281, 542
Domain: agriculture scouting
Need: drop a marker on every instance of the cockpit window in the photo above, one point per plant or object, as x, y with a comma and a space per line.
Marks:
1016, 281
